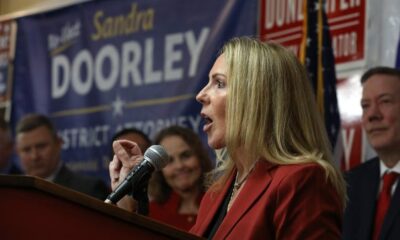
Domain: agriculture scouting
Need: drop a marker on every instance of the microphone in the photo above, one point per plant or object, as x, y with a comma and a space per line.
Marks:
155, 158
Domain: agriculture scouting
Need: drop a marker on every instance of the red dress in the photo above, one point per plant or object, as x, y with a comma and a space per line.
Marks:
167, 213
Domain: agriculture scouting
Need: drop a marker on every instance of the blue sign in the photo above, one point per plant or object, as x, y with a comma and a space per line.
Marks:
101, 66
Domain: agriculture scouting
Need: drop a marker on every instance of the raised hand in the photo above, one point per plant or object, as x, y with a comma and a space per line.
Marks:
127, 155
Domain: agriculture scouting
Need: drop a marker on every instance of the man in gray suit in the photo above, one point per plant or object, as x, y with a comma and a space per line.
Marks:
373, 209
39, 149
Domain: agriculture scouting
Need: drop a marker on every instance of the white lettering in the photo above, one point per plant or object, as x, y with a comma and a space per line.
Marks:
172, 56
269, 13
83, 59
96, 136
133, 64
330, 6
282, 12
150, 75
60, 76
346, 4
107, 52
131, 56
347, 145
195, 48
152, 127
345, 44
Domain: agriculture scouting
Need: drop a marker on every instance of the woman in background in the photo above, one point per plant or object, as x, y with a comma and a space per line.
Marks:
175, 192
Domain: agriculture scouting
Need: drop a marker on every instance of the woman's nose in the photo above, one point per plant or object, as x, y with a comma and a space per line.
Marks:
200, 97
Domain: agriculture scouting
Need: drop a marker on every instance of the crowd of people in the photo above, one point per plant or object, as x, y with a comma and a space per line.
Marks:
274, 177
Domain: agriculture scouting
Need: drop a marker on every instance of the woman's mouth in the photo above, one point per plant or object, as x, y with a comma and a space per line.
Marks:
207, 122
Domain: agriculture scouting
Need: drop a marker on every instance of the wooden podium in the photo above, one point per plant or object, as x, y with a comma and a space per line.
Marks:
32, 208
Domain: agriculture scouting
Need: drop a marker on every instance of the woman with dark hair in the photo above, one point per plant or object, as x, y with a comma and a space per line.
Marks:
176, 191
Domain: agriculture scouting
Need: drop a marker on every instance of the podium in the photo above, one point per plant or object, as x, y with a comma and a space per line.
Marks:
33, 208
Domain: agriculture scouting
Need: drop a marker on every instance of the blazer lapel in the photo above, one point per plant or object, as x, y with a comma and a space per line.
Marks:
259, 182
392, 212
63, 176
214, 204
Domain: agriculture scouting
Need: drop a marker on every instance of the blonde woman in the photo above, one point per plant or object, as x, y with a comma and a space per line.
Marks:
277, 180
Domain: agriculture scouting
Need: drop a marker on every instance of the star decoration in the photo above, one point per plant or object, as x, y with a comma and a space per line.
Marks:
117, 106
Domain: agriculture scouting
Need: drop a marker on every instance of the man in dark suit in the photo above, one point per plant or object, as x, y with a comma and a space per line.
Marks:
373, 210
7, 166
39, 149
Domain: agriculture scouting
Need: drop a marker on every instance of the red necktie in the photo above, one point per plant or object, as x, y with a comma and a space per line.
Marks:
383, 202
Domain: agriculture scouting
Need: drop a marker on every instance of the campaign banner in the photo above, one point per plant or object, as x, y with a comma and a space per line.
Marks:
282, 20
7, 48
102, 66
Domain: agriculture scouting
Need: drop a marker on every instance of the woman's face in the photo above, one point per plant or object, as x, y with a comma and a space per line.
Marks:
183, 171
213, 99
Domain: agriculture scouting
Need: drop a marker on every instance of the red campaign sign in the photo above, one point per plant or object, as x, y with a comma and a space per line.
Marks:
6, 33
282, 21
353, 145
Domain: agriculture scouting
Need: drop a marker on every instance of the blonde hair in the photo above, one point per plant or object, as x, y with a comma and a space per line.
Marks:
271, 112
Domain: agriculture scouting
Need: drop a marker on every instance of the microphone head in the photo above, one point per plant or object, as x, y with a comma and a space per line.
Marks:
157, 156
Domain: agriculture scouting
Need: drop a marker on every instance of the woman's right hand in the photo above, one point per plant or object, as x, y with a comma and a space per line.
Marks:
127, 155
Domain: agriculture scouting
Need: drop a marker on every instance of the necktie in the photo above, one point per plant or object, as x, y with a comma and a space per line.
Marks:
383, 202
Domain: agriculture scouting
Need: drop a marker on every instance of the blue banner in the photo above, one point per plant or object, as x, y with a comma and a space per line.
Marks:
101, 66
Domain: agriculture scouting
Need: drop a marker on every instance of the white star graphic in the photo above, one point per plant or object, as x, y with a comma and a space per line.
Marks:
118, 105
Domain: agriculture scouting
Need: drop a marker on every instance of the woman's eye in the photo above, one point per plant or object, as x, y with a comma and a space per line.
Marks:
186, 154
220, 84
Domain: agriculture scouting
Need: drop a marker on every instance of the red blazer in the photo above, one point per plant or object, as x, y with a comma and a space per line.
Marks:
277, 202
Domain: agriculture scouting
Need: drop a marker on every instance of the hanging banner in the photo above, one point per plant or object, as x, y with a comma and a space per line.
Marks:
282, 20
7, 48
101, 66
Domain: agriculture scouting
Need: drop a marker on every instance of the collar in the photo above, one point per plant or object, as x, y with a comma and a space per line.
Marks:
384, 168
55, 173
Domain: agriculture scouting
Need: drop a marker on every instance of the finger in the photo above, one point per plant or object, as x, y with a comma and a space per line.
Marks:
114, 171
130, 146
124, 149
133, 162
114, 166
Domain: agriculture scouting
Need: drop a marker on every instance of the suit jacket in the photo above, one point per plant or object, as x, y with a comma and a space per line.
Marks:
14, 169
277, 202
85, 184
362, 189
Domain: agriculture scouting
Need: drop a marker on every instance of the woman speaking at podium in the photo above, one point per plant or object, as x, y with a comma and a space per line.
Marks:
277, 180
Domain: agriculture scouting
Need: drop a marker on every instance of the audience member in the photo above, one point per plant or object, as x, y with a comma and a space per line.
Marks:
176, 191
278, 180
39, 149
7, 166
370, 214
